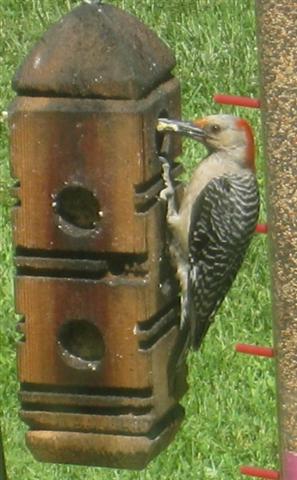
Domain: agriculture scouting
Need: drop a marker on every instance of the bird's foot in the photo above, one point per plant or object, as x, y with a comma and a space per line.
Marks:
166, 194
168, 191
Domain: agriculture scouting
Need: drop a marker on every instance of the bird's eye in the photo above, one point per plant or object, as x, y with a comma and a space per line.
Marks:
215, 128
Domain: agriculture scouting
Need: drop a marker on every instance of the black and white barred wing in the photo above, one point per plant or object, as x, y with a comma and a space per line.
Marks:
223, 221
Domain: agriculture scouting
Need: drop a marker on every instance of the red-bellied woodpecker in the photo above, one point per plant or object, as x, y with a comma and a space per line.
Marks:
211, 230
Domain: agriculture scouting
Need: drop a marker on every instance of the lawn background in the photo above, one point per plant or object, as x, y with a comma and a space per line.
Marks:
230, 406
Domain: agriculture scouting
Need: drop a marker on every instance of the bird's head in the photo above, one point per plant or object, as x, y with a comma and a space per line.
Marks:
219, 133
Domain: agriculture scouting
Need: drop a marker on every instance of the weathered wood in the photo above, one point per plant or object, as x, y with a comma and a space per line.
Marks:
97, 362
110, 141
277, 20
96, 51
83, 448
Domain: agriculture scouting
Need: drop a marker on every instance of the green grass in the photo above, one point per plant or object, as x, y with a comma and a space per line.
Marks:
230, 406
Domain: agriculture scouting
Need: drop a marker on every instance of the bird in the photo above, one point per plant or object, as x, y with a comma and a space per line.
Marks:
210, 231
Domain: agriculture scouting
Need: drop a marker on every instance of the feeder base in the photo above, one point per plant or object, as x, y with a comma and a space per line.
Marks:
102, 450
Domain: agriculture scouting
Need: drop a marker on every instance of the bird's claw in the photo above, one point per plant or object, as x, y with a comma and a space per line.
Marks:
166, 193
163, 159
166, 174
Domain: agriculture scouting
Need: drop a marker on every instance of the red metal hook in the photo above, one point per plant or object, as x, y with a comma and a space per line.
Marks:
254, 350
237, 100
260, 472
262, 228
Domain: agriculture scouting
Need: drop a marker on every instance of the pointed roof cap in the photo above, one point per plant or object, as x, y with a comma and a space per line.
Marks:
96, 51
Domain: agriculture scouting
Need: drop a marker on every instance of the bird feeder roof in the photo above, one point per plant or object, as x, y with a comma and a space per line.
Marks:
95, 51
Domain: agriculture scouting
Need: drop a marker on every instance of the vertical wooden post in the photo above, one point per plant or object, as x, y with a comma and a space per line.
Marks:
97, 364
277, 20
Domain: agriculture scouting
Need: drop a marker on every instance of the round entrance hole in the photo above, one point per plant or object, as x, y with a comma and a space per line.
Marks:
81, 345
78, 206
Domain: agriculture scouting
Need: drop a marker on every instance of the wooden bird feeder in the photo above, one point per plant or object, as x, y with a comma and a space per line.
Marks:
99, 379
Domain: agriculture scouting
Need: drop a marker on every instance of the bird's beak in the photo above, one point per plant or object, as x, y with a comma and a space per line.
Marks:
180, 127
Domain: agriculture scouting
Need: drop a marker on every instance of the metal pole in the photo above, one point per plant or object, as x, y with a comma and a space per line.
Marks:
277, 30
